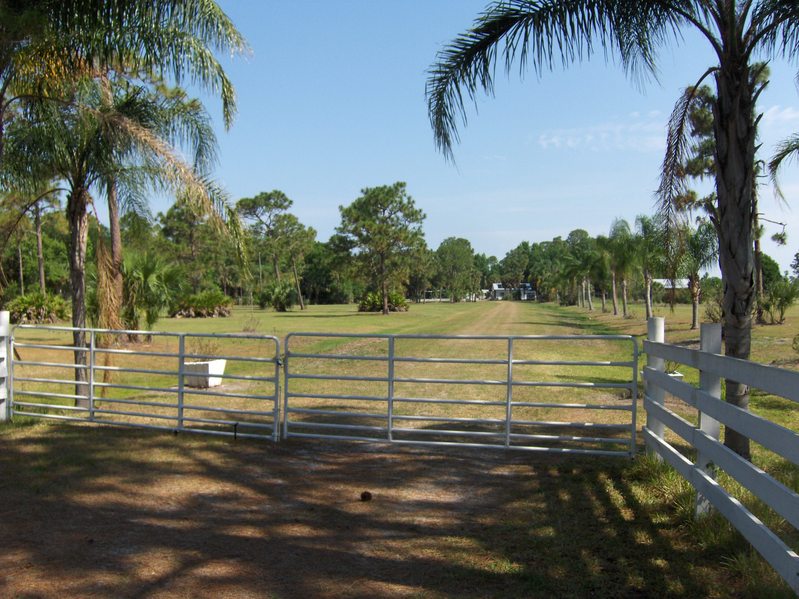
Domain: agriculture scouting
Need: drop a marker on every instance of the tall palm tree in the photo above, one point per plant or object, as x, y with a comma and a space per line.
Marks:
175, 118
81, 143
44, 43
543, 33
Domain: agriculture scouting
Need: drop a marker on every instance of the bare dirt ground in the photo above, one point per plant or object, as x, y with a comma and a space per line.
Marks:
104, 512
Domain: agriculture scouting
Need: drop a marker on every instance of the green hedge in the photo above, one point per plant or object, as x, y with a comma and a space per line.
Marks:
37, 308
373, 302
207, 304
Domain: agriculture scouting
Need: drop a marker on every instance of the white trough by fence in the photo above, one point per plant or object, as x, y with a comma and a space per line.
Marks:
704, 437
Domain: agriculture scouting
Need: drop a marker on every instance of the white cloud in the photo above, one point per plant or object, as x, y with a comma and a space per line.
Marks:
636, 133
777, 114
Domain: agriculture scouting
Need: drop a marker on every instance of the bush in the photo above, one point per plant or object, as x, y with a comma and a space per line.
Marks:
372, 301
37, 308
779, 297
713, 298
281, 296
211, 303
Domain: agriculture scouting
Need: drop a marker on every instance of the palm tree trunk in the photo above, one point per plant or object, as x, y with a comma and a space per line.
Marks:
624, 296
758, 268
734, 129
116, 244
37, 215
21, 274
695, 293
297, 283
613, 291
648, 294
588, 294
384, 285
275, 262
78, 219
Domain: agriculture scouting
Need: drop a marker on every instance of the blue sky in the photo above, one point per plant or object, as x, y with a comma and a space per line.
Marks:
332, 100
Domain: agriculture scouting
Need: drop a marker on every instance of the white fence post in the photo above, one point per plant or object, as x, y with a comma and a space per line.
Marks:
655, 331
5, 333
710, 336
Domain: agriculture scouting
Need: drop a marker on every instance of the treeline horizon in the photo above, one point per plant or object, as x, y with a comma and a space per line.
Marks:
190, 252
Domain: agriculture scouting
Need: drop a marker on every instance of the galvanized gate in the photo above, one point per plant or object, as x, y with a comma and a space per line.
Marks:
516, 392
221, 384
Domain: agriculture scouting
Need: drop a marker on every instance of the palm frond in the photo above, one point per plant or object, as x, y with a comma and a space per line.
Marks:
775, 28
787, 150
672, 177
543, 33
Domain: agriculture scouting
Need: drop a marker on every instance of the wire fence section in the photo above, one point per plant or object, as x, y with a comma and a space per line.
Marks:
222, 384
565, 394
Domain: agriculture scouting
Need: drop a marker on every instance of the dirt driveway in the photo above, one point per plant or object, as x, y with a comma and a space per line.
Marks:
91, 512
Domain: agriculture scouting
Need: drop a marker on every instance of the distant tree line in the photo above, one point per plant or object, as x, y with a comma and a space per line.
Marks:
379, 248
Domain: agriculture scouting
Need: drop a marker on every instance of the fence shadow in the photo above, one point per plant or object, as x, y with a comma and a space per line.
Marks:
107, 512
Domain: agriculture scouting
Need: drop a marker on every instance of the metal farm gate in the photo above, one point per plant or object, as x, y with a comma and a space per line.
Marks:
221, 384
564, 394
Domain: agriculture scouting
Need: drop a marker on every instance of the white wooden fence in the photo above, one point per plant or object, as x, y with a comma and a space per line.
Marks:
704, 436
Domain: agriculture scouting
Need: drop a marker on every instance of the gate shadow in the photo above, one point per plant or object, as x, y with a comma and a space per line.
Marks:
101, 512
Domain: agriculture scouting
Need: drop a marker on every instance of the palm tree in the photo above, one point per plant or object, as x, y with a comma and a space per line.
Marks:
700, 251
151, 284
542, 33
81, 143
600, 267
175, 118
622, 253
47, 43
649, 253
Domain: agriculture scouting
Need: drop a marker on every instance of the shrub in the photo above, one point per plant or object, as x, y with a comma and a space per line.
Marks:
210, 303
779, 297
713, 298
372, 301
281, 296
37, 308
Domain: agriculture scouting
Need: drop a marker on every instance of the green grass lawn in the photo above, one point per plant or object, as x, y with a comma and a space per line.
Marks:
713, 560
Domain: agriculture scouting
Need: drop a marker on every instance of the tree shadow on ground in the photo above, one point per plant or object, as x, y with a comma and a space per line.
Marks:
104, 512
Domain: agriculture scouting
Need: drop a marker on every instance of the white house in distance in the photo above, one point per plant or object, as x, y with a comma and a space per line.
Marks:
497, 291
666, 283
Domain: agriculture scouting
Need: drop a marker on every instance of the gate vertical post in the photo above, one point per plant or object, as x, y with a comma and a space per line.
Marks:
710, 341
5, 368
509, 393
286, 386
655, 331
390, 423
634, 390
276, 411
92, 344
181, 376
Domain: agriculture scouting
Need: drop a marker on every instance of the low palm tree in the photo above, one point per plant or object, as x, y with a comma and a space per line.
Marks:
622, 254
150, 284
544, 33
700, 250
649, 243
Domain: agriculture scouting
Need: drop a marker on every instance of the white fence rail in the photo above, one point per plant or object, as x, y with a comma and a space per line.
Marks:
711, 454
221, 384
480, 391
